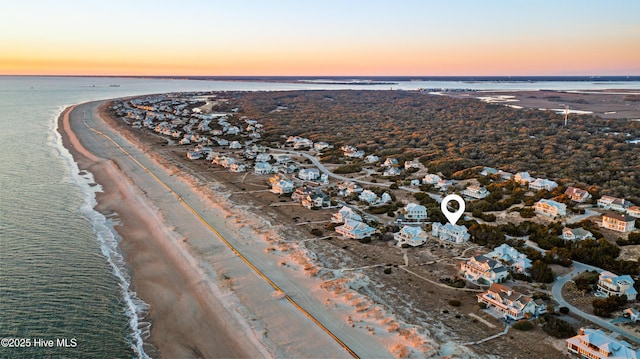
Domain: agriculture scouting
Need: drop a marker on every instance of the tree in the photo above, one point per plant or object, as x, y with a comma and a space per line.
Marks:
540, 272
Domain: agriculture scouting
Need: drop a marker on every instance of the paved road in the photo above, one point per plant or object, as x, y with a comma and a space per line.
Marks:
588, 213
557, 295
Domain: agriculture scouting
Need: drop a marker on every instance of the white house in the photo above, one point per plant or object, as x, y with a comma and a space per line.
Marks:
316, 199
634, 211
309, 174
523, 178
577, 194
611, 284
237, 167
355, 229
344, 214
282, 186
594, 344
505, 175
431, 179
235, 145
483, 270
507, 254
263, 168
283, 159
633, 314
575, 234
618, 222
371, 159
410, 235
616, 204
391, 171
411, 164
368, 196
319, 146
450, 232
194, 155
543, 183
414, 213
263, 157
476, 191
488, 171
513, 305
385, 198
550, 208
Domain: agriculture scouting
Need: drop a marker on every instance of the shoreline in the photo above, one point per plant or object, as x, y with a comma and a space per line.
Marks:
217, 278
147, 245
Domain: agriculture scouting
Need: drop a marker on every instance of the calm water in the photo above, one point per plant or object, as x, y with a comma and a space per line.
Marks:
61, 276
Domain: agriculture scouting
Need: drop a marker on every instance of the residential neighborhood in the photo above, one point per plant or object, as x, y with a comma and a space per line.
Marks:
515, 226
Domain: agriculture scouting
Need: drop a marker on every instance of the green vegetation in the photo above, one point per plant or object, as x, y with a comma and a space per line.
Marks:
605, 306
557, 328
349, 168
523, 325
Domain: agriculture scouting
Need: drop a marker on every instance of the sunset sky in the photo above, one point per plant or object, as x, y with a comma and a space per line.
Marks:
328, 37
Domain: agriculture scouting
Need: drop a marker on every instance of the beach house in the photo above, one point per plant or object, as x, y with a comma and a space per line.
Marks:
368, 196
450, 232
344, 214
577, 195
391, 171
618, 222
411, 164
371, 159
390, 162
309, 174
414, 214
282, 186
595, 344
476, 191
614, 203
634, 211
431, 179
550, 208
575, 234
263, 168
411, 236
316, 199
517, 261
483, 270
513, 305
612, 284
543, 183
355, 229
523, 178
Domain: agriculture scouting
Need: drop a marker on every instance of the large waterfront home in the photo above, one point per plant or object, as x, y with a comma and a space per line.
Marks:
483, 270
450, 232
611, 284
618, 222
414, 213
577, 194
575, 234
509, 255
344, 214
263, 168
410, 235
614, 203
431, 179
309, 174
634, 211
551, 208
513, 305
595, 344
368, 196
390, 162
391, 171
523, 178
476, 191
355, 229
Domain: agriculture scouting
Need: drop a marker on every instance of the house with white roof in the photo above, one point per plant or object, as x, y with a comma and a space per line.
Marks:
614, 203
523, 178
577, 195
371, 159
483, 270
283, 159
634, 211
414, 213
411, 164
505, 175
543, 183
344, 214
618, 222
368, 196
282, 186
237, 167
476, 191
319, 146
262, 157
235, 145
410, 235
309, 174
263, 168
391, 171
612, 284
595, 344
633, 314
575, 234
488, 171
450, 232
194, 155
444, 184
316, 199
385, 198
550, 208
355, 229
513, 305
509, 255
431, 179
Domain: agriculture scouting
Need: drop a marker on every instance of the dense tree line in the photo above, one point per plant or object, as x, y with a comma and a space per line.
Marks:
453, 135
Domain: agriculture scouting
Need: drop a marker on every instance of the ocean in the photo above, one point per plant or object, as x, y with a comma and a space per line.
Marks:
64, 287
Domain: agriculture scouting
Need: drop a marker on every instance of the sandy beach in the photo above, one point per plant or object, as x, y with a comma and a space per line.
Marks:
204, 300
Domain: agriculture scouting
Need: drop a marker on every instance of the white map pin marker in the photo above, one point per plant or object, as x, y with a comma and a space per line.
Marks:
453, 217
